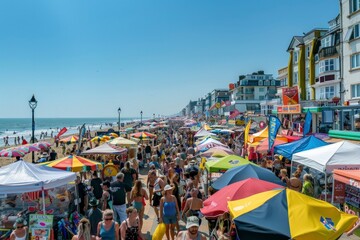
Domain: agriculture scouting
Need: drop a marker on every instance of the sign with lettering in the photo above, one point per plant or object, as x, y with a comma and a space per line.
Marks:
289, 109
290, 95
40, 226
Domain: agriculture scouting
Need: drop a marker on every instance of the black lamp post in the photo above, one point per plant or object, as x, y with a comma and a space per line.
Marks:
141, 113
33, 104
153, 116
119, 111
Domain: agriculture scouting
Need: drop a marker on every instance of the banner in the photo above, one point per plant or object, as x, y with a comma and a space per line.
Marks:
246, 132
274, 125
290, 95
222, 103
62, 131
234, 114
307, 124
289, 109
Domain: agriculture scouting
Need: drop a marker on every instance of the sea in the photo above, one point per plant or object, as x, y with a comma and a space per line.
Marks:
49, 127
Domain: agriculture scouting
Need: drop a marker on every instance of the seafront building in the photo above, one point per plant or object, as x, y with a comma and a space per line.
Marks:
324, 64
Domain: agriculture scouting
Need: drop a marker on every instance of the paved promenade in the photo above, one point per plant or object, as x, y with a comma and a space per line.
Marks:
150, 220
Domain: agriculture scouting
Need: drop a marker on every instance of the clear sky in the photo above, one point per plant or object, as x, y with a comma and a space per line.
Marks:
86, 58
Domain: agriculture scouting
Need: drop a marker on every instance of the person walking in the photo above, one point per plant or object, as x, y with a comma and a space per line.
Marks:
95, 184
193, 204
83, 231
94, 215
108, 229
129, 179
192, 230
21, 230
106, 196
157, 190
138, 197
169, 212
119, 189
129, 228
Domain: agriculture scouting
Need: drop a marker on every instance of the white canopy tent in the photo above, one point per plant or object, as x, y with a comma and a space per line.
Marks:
202, 132
22, 177
105, 149
340, 155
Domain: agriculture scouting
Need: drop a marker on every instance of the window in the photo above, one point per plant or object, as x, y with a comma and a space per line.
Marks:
326, 42
327, 92
355, 91
326, 65
272, 82
295, 57
308, 51
356, 31
295, 78
261, 89
355, 61
260, 83
354, 5
261, 98
267, 83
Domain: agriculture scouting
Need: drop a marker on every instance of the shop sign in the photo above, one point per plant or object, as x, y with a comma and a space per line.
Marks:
289, 109
339, 192
290, 95
40, 226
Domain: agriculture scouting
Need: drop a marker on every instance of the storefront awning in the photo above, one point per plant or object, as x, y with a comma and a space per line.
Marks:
350, 177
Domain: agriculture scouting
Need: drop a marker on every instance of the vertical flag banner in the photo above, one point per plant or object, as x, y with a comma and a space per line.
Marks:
62, 131
246, 133
274, 125
307, 124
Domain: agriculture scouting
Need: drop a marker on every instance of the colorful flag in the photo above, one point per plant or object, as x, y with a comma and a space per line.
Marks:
246, 132
62, 131
274, 125
307, 124
234, 114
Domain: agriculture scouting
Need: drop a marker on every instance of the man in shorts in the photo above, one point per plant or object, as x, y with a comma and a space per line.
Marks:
159, 185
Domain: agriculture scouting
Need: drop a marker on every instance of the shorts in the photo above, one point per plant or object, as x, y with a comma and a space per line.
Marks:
138, 206
156, 200
148, 155
169, 219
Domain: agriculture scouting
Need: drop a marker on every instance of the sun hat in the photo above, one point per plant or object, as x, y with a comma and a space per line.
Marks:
93, 202
192, 221
167, 187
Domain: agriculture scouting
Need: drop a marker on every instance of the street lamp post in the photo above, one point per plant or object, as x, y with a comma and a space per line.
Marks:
119, 111
154, 116
33, 104
141, 113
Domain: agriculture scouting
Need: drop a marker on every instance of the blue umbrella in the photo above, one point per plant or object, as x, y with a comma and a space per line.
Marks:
244, 172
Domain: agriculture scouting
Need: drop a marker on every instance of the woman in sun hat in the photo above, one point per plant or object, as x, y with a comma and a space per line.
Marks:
169, 212
21, 230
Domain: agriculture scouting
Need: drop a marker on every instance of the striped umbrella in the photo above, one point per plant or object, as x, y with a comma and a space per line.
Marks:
143, 135
12, 152
28, 148
42, 145
70, 139
74, 163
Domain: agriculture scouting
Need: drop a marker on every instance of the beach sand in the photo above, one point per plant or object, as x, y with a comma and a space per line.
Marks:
28, 157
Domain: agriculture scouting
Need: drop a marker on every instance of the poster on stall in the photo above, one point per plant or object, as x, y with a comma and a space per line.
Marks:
40, 226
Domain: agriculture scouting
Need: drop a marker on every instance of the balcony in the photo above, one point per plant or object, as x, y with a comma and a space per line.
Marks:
327, 52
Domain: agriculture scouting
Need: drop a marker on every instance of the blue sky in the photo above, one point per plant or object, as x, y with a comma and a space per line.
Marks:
85, 58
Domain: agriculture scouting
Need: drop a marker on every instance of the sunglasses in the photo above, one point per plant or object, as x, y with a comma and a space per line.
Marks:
108, 219
18, 227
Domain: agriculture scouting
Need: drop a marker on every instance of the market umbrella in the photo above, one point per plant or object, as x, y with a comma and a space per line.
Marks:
114, 135
120, 141
96, 139
240, 173
216, 204
74, 163
143, 135
29, 148
12, 152
70, 139
42, 145
288, 214
225, 163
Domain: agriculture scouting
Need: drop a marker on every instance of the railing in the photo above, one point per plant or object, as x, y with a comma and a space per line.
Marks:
328, 52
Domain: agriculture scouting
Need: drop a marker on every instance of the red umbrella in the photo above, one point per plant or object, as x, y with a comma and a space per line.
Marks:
28, 148
217, 204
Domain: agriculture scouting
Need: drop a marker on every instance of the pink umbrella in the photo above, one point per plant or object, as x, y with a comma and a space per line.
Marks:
12, 152
29, 148
42, 145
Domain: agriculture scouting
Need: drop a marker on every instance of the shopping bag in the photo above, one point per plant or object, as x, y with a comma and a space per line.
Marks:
159, 232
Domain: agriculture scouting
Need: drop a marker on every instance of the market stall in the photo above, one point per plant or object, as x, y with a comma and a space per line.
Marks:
35, 189
346, 191
340, 155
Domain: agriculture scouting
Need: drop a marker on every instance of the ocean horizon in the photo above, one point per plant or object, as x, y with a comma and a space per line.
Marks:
22, 127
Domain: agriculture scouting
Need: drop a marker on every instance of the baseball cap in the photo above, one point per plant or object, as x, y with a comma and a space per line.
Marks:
192, 222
